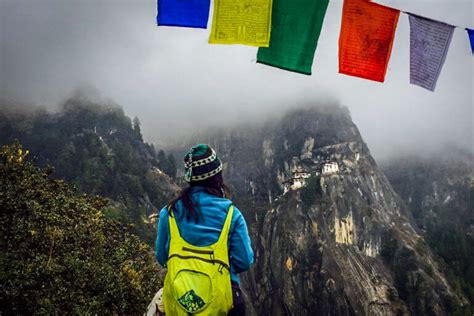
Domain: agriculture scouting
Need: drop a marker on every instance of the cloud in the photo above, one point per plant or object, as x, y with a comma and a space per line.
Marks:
176, 83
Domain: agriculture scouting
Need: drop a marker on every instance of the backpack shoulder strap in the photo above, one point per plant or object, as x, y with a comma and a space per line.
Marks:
224, 236
174, 230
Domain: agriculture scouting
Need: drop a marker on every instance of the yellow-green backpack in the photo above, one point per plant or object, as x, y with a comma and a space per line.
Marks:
198, 278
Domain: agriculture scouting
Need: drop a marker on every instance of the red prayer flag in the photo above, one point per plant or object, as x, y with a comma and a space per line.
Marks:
366, 38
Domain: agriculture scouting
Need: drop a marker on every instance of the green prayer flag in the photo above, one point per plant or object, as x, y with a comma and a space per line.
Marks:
296, 25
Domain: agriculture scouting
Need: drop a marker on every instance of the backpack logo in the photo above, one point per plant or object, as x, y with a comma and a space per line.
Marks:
191, 301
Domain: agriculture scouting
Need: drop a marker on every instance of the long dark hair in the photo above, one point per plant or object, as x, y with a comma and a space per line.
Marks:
213, 185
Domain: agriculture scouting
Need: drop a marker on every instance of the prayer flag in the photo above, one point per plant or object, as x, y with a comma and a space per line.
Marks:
429, 44
471, 38
296, 25
366, 38
245, 22
184, 13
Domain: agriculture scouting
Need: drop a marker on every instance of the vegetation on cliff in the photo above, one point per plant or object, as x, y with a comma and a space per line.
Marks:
438, 194
100, 150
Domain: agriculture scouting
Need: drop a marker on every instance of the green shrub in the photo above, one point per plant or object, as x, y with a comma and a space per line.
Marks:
59, 254
311, 191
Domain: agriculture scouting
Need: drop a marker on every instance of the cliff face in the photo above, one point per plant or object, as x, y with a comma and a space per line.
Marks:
438, 193
330, 235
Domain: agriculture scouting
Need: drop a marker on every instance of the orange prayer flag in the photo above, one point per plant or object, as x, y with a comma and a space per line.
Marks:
366, 38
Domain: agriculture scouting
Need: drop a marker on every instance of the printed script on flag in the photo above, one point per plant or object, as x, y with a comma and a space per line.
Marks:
429, 44
245, 22
296, 27
366, 39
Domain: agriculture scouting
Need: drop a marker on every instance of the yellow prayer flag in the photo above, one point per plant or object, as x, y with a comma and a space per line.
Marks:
245, 22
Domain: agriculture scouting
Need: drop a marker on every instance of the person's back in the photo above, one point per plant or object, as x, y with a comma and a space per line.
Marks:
201, 231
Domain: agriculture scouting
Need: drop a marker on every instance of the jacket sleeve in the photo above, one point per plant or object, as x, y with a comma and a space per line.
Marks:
163, 238
241, 253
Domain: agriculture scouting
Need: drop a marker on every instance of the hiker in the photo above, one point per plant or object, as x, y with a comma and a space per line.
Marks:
203, 241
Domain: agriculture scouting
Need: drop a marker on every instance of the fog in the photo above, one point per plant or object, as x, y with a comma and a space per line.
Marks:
176, 83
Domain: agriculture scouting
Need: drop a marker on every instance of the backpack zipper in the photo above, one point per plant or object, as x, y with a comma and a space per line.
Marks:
203, 252
222, 264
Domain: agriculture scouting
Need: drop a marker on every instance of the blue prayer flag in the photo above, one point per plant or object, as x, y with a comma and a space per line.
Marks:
471, 38
184, 13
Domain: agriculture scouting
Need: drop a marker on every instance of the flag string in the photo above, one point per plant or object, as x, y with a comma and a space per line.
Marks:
415, 14
411, 13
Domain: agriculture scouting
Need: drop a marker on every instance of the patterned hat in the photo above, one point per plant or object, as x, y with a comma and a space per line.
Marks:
200, 163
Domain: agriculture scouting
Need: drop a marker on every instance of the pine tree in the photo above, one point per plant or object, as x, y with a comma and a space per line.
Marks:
172, 168
136, 127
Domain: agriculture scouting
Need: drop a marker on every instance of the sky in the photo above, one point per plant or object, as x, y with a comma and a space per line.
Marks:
176, 82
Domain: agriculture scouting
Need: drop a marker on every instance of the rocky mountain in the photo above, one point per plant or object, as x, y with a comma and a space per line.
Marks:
438, 191
331, 236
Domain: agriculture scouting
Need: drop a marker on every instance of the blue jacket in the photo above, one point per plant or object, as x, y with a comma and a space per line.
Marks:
213, 211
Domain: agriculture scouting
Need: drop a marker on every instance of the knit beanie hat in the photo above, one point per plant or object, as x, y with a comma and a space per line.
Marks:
200, 163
